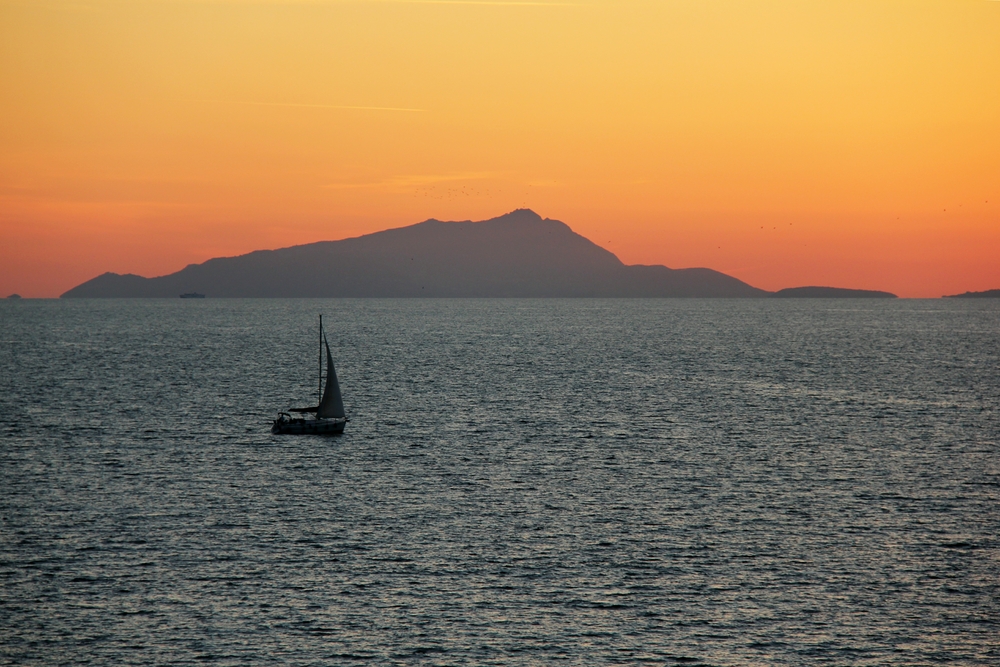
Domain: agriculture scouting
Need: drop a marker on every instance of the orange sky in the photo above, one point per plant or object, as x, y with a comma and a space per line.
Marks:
853, 143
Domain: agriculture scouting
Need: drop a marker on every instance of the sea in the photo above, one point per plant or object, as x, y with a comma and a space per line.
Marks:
522, 482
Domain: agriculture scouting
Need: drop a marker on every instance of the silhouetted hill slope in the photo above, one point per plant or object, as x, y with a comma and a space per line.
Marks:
516, 255
988, 294
830, 293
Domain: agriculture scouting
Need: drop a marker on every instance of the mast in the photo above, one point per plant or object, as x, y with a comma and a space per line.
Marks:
319, 395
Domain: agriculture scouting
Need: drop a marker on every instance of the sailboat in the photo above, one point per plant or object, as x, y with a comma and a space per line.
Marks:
328, 417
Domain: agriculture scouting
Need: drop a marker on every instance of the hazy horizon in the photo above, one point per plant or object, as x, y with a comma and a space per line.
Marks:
784, 288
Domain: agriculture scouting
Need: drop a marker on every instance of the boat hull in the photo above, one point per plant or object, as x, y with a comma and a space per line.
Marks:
285, 426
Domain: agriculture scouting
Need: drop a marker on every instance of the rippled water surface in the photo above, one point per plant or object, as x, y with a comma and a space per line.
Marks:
522, 483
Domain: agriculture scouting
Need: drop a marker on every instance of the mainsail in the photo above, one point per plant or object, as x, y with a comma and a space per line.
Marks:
332, 404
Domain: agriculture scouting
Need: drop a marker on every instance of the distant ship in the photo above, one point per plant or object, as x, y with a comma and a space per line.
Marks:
330, 418
192, 295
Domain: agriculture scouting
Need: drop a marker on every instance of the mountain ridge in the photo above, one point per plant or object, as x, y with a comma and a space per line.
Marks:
519, 254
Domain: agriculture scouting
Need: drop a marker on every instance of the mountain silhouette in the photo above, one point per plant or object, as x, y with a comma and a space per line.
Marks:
518, 254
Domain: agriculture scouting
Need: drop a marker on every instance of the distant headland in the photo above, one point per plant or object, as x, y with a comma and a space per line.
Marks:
831, 293
988, 294
519, 254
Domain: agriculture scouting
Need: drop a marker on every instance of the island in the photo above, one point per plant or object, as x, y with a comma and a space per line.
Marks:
519, 254
988, 294
830, 293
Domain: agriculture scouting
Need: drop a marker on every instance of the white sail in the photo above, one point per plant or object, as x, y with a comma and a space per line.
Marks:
332, 404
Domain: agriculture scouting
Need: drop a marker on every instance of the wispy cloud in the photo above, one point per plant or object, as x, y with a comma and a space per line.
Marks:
327, 106
102, 5
311, 106
502, 3
408, 181
507, 3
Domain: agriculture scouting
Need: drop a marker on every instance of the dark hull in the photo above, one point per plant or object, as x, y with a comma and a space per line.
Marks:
285, 426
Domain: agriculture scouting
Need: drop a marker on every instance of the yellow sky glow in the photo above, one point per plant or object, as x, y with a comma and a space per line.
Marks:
852, 143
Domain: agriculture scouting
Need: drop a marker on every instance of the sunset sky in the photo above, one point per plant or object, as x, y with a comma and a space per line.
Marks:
785, 142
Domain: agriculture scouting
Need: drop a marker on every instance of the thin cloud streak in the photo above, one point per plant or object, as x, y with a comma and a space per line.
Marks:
477, 2
413, 180
500, 3
312, 106
328, 106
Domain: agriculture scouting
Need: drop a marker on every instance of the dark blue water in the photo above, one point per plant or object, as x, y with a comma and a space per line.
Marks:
522, 483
